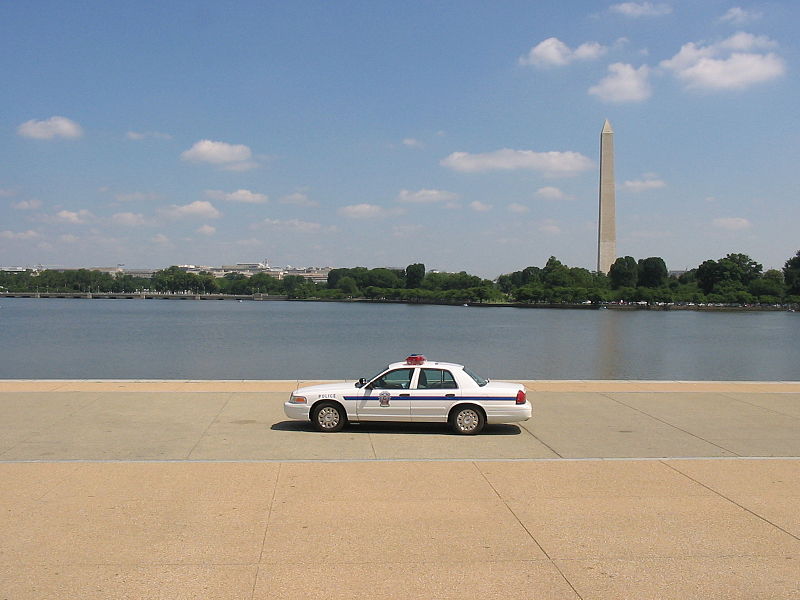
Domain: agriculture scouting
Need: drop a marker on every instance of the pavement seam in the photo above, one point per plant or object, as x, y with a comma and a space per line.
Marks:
528, 531
541, 441
645, 413
777, 412
266, 530
731, 500
214, 420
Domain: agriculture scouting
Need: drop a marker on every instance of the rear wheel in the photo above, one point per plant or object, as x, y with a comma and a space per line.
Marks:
328, 417
467, 420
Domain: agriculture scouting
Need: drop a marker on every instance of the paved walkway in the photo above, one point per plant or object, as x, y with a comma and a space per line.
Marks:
99, 497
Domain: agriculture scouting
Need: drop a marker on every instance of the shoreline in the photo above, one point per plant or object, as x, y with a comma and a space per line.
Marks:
269, 298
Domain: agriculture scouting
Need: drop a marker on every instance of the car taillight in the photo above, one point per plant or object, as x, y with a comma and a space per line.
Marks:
521, 397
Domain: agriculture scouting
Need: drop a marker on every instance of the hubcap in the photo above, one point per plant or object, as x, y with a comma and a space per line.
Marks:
467, 420
328, 417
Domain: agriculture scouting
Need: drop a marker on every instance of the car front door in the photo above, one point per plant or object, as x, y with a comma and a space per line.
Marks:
387, 397
433, 395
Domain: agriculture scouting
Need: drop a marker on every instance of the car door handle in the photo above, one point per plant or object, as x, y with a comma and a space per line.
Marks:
403, 395
449, 395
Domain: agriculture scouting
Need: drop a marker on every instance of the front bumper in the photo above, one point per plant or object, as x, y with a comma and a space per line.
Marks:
296, 411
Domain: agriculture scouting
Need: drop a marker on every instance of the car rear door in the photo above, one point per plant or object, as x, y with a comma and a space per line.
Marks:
434, 393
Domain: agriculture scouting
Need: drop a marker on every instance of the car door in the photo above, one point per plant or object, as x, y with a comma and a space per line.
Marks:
387, 397
435, 391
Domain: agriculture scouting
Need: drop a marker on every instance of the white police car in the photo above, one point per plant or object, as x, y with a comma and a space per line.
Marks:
416, 390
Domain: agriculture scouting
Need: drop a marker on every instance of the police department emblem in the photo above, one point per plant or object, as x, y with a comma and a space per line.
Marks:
384, 398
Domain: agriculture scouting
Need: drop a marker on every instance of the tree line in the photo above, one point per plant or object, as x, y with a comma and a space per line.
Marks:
732, 279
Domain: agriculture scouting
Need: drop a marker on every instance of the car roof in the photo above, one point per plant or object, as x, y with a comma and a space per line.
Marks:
428, 363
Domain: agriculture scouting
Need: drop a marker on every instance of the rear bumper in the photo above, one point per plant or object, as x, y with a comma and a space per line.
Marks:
509, 414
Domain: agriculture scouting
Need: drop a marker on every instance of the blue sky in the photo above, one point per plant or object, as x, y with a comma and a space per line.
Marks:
464, 135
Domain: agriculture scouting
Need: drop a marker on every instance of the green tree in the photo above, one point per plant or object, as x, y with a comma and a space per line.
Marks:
652, 272
414, 275
624, 273
791, 274
348, 286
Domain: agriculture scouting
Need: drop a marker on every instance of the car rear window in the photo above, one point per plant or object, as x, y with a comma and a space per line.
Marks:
478, 379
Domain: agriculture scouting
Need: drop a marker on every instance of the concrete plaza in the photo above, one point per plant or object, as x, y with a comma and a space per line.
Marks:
204, 490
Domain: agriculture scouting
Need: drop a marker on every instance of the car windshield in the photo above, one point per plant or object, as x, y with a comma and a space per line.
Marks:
478, 379
381, 372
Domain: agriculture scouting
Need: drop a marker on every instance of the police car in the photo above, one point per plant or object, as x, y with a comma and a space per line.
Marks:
415, 390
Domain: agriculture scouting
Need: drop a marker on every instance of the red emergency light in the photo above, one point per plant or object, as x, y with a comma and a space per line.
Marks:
415, 359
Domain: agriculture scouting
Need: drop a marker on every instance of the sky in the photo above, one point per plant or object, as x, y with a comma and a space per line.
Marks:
460, 134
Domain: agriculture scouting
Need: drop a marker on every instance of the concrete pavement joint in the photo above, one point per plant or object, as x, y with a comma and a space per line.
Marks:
732, 501
753, 405
205, 431
541, 441
528, 531
667, 423
266, 531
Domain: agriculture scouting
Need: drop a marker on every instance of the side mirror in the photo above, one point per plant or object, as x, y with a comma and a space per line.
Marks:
360, 383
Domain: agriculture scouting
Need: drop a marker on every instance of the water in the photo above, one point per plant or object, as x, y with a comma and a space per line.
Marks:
173, 339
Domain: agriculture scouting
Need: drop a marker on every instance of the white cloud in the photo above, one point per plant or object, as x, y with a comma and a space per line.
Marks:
731, 223
550, 227
7, 193
295, 225
32, 204
730, 64
298, 199
135, 197
19, 235
54, 127
143, 135
550, 193
128, 219
199, 208
69, 216
406, 231
242, 196
624, 83
517, 208
550, 163
412, 143
740, 16
480, 206
231, 157
425, 196
362, 211
649, 181
641, 9
68, 238
552, 52
159, 238
206, 230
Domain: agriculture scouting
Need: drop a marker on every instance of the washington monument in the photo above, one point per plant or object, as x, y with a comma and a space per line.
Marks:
607, 226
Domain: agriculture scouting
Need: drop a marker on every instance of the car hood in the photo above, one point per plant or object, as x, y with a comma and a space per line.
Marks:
324, 387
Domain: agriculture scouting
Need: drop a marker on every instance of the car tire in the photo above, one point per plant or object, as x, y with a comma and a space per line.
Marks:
328, 417
467, 420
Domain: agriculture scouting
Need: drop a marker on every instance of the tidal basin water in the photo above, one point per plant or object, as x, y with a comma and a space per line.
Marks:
174, 339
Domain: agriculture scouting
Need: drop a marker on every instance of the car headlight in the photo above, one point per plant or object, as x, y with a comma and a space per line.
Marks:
297, 399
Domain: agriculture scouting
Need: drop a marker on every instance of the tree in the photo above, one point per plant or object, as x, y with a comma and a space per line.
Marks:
791, 274
624, 273
414, 275
652, 272
769, 288
348, 286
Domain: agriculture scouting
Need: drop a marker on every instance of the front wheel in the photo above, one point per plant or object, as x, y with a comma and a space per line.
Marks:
328, 417
467, 420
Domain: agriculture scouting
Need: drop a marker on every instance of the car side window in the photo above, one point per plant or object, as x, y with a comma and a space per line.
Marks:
399, 379
436, 379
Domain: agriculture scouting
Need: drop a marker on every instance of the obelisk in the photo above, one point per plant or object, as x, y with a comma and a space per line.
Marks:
607, 227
